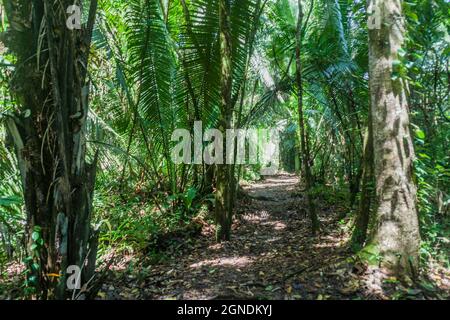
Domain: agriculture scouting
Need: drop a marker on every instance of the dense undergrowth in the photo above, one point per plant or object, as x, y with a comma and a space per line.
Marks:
154, 69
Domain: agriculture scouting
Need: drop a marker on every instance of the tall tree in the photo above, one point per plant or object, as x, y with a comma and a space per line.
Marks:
305, 154
49, 134
396, 234
359, 236
223, 184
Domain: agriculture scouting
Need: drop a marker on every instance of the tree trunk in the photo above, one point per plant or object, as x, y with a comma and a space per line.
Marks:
223, 184
396, 235
305, 157
363, 218
49, 134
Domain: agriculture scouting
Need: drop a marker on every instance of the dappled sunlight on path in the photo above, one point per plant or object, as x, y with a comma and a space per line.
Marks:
270, 245
271, 255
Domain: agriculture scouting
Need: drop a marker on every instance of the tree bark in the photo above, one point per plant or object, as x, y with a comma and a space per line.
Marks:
49, 134
396, 235
359, 236
223, 183
305, 157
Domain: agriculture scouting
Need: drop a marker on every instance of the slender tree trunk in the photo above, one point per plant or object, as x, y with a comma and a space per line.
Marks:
396, 234
49, 134
305, 157
223, 185
357, 160
363, 218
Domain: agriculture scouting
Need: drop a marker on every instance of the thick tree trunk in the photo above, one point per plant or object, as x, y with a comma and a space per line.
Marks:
223, 184
305, 157
396, 235
49, 136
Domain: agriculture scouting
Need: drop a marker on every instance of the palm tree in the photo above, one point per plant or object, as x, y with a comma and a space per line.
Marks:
304, 142
49, 135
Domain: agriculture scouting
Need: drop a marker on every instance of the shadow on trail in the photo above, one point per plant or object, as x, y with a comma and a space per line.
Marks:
271, 255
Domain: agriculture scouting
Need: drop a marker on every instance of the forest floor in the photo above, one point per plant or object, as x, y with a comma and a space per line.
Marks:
272, 255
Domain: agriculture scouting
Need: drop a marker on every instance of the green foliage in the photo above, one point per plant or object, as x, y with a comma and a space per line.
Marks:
155, 67
370, 254
427, 57
12, 217
433, 179
127, 225
32, 262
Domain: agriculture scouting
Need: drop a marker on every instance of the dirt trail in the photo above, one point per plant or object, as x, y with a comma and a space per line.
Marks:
271, 256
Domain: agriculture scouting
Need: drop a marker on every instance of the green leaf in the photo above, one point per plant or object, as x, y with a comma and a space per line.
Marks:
35, 235
420, 134
32, 279
396, 63
401, 52
9, 201
413, 16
